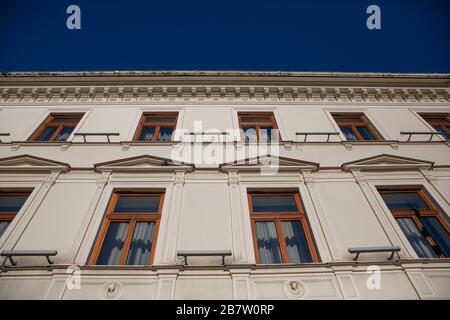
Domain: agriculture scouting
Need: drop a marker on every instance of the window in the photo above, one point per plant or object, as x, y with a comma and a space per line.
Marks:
440, 122
421, 221
258, 126
281, 231
129, 230
156, 127
356, 127
57, 127
10, 204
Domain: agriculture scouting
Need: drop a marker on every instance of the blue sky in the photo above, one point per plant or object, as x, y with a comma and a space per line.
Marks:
281, 35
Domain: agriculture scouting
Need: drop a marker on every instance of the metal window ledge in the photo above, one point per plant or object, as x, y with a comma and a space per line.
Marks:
9, 254
204, 253
359, 250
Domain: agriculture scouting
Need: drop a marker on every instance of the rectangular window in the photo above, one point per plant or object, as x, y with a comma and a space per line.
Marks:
10, 204
57, 127
258, 127
156, 127
356, 127
440, 122
281, 231
129, 230
421, 221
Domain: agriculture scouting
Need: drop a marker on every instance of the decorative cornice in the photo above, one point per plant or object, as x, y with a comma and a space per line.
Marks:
143, 94
147, 86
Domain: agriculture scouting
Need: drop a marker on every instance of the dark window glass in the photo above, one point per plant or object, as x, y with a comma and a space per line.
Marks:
65, 120
349, 120
147, 134
267, 133
349, 133
3, 226
416, 238
112, 246
274, 203
137, 204
47, 134
296, 243
12, 203
256, 119
267, 242
141, 244
165, 134
438, 233
404, 200
250, 134
159, 120
365, 133
64, 134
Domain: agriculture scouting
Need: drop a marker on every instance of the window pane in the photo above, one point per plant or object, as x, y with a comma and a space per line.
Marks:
296, 243
141, 244
137, 204
165, 133
147, 134
416, 238
366, 134
250, 134
64, 134
256, 119
268, 134
46, 134
113, 244
443, 132
349, 120
348, 133
66, 120
160, 120
438, 233
404, 200
274, 203
12, 203
267, 242
3, 226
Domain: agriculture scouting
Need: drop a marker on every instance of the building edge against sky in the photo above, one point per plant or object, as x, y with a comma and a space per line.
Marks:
224, 185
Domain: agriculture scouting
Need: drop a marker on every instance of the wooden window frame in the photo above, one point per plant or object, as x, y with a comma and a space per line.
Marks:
131, 219
278, 218
444, 124
9, 216
354, 125
156, 125
47, 123
257, 124
415, 214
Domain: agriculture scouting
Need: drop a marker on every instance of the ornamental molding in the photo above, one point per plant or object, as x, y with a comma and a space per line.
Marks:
27, 163
260, 94
385, 162
143, 163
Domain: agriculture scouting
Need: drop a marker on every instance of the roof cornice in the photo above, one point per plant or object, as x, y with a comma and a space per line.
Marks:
139, 86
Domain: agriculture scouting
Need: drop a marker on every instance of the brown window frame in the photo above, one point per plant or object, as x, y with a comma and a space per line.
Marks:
354, 125
432, 211
9, 216
132, 219
444, 124
156, 125
277, 218
257, 124
47, 123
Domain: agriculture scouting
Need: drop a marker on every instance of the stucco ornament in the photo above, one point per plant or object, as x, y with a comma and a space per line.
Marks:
111, 290
293, 287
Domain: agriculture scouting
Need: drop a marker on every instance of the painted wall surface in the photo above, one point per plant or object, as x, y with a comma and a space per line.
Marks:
206, 208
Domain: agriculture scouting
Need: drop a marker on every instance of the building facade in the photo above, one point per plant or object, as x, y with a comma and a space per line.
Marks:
224, 185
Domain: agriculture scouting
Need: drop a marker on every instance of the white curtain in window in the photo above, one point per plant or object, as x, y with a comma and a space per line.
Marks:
267, 241
415, 237
141, 244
